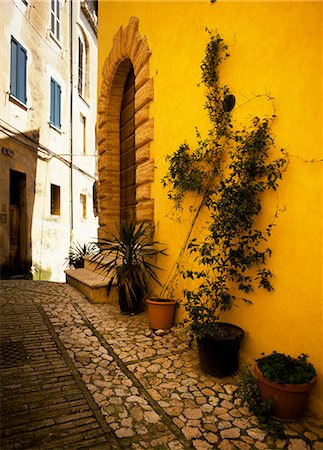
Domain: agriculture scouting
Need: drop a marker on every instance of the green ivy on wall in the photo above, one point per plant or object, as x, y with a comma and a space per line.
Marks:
229, 171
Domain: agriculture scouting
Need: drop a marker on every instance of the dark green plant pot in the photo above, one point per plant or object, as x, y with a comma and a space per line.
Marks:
136, 301
79, 264
219, 356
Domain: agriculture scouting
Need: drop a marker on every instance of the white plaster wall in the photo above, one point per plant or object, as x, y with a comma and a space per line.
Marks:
47, 58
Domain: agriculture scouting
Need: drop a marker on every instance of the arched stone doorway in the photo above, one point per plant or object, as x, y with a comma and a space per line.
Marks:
130, 52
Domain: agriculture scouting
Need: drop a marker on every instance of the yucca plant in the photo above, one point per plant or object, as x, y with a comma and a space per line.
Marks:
77, 251
128, 259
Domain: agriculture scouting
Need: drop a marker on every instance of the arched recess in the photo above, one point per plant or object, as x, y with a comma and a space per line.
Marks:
129, 50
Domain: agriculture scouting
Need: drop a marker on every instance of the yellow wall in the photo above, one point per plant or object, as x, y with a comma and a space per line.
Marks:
276, 48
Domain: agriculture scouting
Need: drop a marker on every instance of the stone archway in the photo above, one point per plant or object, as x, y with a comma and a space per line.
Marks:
129, 48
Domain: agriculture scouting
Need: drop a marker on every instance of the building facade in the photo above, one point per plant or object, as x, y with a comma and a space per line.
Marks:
275, 52
48, 93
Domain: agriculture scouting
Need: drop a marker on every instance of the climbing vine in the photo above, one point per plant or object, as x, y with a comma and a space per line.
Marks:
229, 171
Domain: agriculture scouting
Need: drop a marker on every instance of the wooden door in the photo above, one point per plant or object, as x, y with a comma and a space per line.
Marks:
18, 225
127, 152
14, 239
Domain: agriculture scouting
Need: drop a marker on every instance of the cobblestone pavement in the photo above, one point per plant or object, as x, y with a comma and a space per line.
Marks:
79, 375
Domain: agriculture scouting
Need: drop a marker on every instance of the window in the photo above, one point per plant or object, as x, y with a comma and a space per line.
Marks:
55, 200
83, 133
81, 69
55, 103
83, 205
18, 71
55, 18
83, 65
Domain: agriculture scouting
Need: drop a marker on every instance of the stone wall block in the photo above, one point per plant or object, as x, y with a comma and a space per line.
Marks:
142, 55
142, 76
101, 138
117, 45
102, 119
130, 34
145, 133
144, 95
143, 192
115, 100
142, 154
145, 211
145, 172
141, 116
107, 74
102, 104
102, 166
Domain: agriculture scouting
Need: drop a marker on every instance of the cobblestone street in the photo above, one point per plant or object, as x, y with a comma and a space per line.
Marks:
80, 375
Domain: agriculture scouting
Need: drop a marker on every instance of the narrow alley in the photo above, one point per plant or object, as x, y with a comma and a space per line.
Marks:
79, 375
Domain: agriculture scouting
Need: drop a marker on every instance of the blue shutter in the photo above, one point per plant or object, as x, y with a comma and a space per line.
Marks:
13, 68
55, 103
52, 101
59, 93
18, 71
22, 66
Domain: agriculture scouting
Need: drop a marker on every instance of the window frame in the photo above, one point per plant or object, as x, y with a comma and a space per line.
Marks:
83, 202
55, 200
18, 71
55, 19
81, 67
55, 104
84, 126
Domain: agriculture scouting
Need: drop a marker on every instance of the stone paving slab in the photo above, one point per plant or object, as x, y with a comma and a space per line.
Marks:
43, 405
146, 387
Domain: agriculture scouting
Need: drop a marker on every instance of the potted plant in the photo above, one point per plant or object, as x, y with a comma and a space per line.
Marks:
287, 381
218, 342
228, 172
128, 259
161, 312
77, 251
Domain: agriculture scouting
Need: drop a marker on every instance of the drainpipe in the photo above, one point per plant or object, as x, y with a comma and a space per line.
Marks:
71, 122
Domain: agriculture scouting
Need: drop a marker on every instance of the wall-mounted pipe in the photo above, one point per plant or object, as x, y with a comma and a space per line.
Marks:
71, 120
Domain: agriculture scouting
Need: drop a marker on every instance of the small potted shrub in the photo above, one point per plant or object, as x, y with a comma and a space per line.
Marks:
287, 381
218, 342
77, 251
161, 307
129, 261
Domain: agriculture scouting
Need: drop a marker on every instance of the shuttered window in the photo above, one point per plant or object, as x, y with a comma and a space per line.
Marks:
83, 205
55, 200
81, 69
55, 103
18, 71
55, 19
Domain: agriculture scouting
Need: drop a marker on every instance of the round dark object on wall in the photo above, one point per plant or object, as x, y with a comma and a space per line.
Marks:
229, 102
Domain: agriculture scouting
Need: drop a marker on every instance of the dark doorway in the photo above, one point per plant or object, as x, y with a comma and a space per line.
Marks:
18, 224
127, 151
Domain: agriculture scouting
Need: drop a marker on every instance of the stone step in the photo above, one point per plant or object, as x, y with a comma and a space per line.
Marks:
92, 284
96, 266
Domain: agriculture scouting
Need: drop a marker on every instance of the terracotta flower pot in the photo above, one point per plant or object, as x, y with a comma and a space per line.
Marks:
161, 313
290, 400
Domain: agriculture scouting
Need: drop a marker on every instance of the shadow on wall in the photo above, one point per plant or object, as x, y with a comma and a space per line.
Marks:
18, 160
